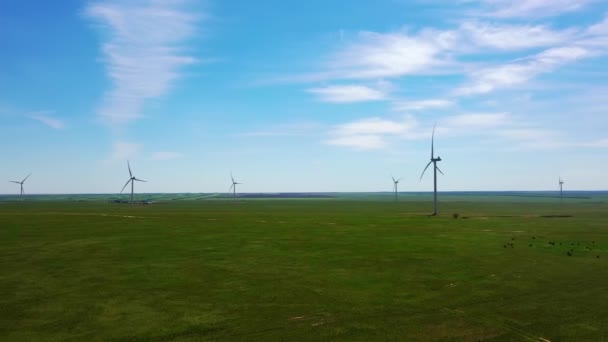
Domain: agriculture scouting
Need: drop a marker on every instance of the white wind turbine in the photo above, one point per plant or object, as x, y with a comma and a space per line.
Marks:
233, 185
395, 184
21, 184
435, 169
132, 180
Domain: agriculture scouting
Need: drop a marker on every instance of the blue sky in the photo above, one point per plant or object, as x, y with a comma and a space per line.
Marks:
303, 95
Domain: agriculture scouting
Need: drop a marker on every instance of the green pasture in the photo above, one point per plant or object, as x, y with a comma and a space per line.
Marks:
305, 270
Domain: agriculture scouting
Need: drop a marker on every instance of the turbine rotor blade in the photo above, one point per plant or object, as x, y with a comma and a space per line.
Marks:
438, 169
427, 166
28, 176
129, 166
231, 187
127, 183
15, 182
140, 180
433, 142
393, 179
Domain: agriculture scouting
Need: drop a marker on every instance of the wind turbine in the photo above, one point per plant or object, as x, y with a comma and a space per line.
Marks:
132, 180
561, 188
395, 182
435, 169
233, 186
21, 184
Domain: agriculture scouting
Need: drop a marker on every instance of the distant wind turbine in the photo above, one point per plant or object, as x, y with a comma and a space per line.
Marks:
21, 184
435, 169
396, 183
233, 186
132, 180
561, 188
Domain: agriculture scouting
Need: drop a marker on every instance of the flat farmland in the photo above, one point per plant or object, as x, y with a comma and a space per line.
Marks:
304, 269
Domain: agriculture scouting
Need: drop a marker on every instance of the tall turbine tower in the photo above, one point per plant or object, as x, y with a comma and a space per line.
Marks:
21, 184
561, 188
396, 183
132, 180
435, 169
233, 186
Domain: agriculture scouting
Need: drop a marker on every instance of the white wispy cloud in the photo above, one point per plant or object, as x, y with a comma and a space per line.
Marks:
477, 120
46, 118
600, 28
600, 143
532, 8
499, 129
143, 51
348, 93
528, 134
285, 129
373, 55
489, 79
359, 142
421, 104
377, 55
544, 139
371, 133
124, 150
512, 37
166, 155
374, 125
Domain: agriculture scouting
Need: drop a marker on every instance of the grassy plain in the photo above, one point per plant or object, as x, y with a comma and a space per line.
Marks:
306, 269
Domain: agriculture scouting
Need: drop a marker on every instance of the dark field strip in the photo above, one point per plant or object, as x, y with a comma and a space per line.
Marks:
303, 270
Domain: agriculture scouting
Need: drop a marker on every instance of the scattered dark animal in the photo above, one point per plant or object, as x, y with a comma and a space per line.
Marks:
597, 256
534, 237
455, 215
530, 245
569, 254
512, 238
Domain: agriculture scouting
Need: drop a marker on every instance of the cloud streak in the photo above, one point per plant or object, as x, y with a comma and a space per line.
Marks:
166, 155
532, 8
377, 55
512, 37
123, 150
45, 118
143, 51
370, 133
348, 93
507, 75
421, 104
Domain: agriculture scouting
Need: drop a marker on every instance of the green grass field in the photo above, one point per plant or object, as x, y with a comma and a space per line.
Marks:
304, 270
